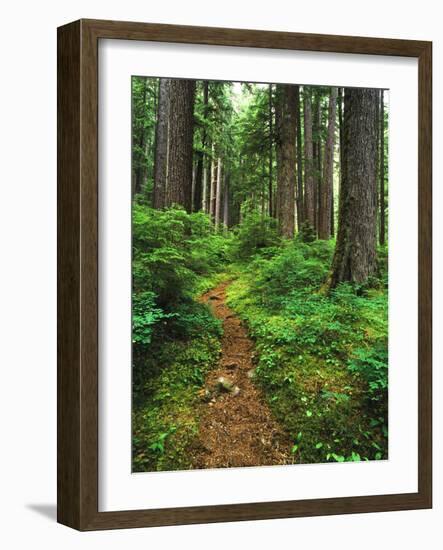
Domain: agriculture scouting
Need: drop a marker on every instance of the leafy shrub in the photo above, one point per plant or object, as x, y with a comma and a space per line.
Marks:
256, 232
170, 248
371, 364
298, 265
172, 251
307, 233
145, 315
190, 318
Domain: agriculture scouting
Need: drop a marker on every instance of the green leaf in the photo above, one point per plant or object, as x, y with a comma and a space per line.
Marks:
308, 413
338, 458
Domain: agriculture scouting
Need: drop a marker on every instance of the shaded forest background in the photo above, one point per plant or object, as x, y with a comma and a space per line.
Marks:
282, 190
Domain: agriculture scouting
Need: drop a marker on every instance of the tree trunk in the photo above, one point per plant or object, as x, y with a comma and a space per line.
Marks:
309, 168
355, 252
198, 193
218, 192
271, 143
340, 141
205, 194
317, 154
141, 170
286, 157
161, 145
324, 222
181, 132
226, 200
194, 172
300, 198
213, 185
382, 170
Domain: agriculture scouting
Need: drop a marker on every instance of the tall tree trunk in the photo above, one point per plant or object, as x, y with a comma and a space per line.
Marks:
271, 143
317, 154
226, 200
309, 168
181, 132
213, 186
198, 193
141, 169
205, 194
340, 139
355, 252
161, 145
197, 190
300, 198
194, 172
382, 170
324, 222
218, 192
286, 158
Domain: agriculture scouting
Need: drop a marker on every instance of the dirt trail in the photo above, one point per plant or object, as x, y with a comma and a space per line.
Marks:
236, 429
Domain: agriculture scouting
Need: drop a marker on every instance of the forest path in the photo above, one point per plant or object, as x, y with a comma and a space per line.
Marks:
236, 427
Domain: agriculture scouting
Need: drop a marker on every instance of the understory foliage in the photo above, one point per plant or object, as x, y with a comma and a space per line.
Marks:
175, 338
322, 357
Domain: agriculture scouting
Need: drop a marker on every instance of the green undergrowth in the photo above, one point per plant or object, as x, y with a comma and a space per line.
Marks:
176, 339
322, 358
164, 418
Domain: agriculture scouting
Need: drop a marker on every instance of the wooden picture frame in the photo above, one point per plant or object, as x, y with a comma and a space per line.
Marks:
78, 273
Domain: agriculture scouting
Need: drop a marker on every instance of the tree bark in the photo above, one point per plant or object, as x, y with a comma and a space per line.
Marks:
205, 194
317, 154
382, 170
218, 192
161, 145
340, 141
309, 168
300, 198
271, 143
226, 200
324, 222
355, 252
286, 158
198, 192
141, 170
181, 132
213, 186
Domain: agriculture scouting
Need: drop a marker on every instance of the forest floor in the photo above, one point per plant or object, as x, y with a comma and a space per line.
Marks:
237, 427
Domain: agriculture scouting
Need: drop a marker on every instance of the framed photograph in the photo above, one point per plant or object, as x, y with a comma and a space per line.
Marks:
244, 274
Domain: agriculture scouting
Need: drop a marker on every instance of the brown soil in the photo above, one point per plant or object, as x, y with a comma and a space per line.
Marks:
236, 429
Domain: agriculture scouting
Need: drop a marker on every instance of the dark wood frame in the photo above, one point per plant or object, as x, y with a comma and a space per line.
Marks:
77, 455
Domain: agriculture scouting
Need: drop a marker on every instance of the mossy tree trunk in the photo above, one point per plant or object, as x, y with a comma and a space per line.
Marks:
324, 222
382, 170
286, 158
299, 194
271, 145
309, 160
161, 145
199, 177
355, 253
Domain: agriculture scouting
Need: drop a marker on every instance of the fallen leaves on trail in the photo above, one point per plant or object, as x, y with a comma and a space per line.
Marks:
237, 427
